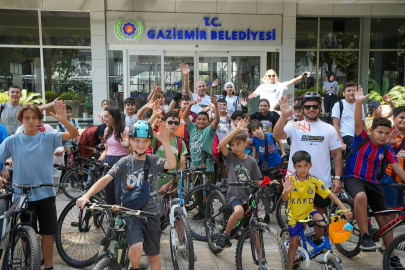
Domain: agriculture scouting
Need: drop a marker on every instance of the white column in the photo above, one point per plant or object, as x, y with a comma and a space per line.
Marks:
364, 53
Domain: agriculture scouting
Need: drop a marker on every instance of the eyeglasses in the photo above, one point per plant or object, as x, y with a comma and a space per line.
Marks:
308, 107
176, 123
274, 75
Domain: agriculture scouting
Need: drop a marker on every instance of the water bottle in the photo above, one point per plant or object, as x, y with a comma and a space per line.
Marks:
346, 228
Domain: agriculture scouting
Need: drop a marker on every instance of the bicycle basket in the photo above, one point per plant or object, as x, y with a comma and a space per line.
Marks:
334, 229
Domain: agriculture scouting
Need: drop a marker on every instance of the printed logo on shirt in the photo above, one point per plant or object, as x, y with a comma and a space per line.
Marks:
302, 201
310, 190
196, 142
270, 149
401, 154
309, 138
381, 156
323, 187
302, 127
267, 126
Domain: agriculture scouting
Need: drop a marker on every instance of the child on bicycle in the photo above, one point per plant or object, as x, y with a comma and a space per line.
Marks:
38, 169
299, 191
141, 234
240, 167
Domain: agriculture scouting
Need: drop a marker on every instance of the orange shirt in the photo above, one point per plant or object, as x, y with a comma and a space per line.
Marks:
401, 160
182, 131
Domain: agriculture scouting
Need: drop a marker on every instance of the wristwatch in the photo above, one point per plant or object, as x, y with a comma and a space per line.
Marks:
338, 177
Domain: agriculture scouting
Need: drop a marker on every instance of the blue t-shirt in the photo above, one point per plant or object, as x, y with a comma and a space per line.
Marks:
274, 158
32, 161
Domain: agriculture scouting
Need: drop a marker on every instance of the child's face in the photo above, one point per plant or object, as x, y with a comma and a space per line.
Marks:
184, 104
68, 114
379, 135
140, 145
130, 108
263, 107
159, 120
257, 132
399, 121
162, 100
229, 89
222, 106
105, 104
378, 111
202, 122
302, 168
238, 147
30, 120
172, 124
298, 114
236, 121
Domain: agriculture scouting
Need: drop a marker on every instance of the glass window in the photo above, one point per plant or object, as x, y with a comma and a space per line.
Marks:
388, 64
65, 28
387, 33
19, 27
68, 73
305, 62
115, 79
212, 68
173, 76
343, 63
245, 74
22, 67
307, 33
339, 33
144, 71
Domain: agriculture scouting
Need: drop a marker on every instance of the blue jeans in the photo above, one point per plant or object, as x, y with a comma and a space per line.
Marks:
394, 197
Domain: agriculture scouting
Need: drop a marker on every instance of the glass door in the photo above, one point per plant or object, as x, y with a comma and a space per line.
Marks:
213, 66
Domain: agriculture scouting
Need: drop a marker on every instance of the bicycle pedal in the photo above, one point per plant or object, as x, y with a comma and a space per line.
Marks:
74, 224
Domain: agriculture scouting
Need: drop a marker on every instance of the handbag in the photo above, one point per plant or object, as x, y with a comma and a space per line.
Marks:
137, 197
264, 168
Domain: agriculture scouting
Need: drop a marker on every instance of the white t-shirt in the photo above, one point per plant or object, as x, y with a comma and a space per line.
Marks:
318, 139
272, 92
233, 104
206, 101
224, 127
347, 121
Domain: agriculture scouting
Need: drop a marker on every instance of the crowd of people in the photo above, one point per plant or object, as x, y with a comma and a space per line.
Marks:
246, 147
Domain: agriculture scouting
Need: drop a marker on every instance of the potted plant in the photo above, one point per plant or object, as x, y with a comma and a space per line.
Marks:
73, 100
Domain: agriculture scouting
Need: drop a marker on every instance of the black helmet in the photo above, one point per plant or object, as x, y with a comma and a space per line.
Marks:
311, 96
141, 129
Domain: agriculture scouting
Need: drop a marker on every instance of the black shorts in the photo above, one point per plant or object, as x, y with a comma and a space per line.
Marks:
321, 202
374, 192
235, 202
148, 232
44, 214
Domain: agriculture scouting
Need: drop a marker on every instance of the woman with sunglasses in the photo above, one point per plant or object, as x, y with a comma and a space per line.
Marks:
272, 89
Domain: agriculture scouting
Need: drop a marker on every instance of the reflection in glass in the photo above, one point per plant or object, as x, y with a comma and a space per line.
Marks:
273, 61
245, 74
211, 68
68, 73
144, 70
343, 63
388, 64
19, 27
307, 33
173, 77
115, 79
339, 33
22, 67
387, 33
305, 62
65, 28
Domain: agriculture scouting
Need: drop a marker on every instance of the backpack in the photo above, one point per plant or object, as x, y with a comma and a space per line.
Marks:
179, 147
64, 129
341, 109
2, 106
137, 197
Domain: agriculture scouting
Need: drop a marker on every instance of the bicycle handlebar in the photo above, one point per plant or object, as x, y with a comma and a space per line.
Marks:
398, 186
92, 161
28, 186
117, 208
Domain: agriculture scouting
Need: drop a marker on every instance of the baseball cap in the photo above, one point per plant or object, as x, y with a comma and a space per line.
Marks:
372, 105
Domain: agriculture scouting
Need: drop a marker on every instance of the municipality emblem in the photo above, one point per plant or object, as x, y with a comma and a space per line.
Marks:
129, 30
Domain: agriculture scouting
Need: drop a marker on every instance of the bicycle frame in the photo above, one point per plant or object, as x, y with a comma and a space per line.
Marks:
390, 226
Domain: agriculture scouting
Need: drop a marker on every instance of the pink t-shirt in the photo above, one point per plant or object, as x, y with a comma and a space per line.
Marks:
114, 147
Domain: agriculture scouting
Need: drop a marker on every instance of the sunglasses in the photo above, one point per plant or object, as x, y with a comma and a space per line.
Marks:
176, 123
308, 107
274, 75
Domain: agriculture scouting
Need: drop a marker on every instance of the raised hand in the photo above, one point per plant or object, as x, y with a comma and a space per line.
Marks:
289, 96
185, 69
243, 123
213, 100
154, 86
392, 137
215, 83
124, 140
285, 109
288, 185
163, 133
387, 98
358, 94
243, 102
157, 109
60, 110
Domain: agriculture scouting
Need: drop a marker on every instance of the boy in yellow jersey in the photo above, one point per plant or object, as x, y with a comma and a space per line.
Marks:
299, 191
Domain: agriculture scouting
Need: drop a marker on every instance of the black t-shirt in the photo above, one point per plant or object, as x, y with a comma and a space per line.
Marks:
268, 121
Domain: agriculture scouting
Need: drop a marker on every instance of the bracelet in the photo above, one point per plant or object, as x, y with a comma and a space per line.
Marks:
127, 146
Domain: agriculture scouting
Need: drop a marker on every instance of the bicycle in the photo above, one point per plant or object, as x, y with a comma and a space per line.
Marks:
117, 259
303, 256
80, 232
264, 244
19, 239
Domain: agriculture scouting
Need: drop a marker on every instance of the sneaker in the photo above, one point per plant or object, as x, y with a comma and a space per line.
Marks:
185, 254
400, 247
396, 263
316, 241
199, 215
266, 219
144, 263
320, 258
366, 243
223, 241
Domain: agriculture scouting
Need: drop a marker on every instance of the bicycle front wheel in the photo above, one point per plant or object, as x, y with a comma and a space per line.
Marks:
281, 209
394, 253
76, 178
181, 243
27, 250
107, 264
260, 249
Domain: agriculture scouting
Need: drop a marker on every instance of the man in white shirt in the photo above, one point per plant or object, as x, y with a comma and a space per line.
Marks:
272, 89
317, 138
343, 121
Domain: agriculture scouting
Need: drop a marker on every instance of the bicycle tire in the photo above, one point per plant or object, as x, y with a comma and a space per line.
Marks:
80, 249
281, 208
76, 177
269, 240
351, 247
197, 226
31, 257
392, 247
333, 264
177, 257
213, 226
107, 263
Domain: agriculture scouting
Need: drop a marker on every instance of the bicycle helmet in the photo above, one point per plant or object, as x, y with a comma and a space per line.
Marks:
141, 129
311, 96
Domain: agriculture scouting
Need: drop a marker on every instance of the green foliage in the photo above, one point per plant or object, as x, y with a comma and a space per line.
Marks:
50, 96
70, 96
27, 98
397, 93
4, 97
299, 92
